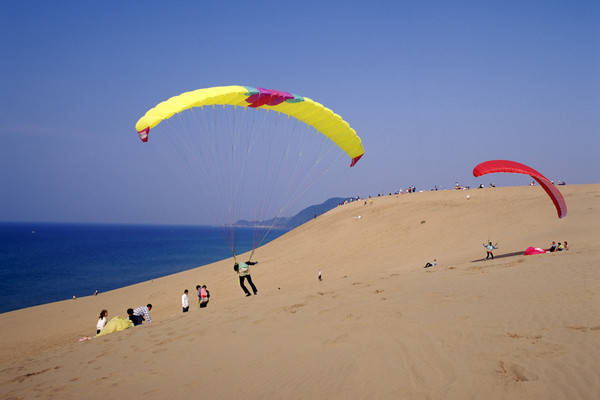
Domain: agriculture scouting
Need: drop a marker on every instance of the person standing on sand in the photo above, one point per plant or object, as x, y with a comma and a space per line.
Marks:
204, 296
243, 271
198, 287
185, 301
489, 248
102, 319
144, 312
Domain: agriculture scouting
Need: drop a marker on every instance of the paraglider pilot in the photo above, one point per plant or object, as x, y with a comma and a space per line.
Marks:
243, 271
489, 248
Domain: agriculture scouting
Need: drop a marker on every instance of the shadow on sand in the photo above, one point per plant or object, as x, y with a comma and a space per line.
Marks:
514, 253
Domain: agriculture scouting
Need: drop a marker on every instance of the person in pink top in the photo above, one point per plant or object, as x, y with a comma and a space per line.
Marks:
204, 296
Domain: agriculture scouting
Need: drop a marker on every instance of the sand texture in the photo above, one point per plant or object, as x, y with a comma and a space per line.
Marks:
379, 326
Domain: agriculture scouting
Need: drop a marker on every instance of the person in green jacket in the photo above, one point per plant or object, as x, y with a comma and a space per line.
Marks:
243, 271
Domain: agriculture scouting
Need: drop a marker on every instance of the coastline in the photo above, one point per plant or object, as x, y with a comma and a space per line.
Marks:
46, 262
509, 328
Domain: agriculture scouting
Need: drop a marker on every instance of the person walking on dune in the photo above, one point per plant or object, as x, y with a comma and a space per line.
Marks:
489, 248
243, 271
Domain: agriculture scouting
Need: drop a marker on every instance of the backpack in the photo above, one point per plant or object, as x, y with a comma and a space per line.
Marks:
244, 268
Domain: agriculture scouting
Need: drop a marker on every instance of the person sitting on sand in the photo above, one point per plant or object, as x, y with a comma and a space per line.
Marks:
185, 301
566, 246
431, 264
136, 319
144, 312
204, 296
552, 248
489, 248
560, 247
102, 319
243, 271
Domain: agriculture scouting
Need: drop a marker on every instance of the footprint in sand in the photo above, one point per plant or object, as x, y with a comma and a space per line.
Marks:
21, 378
379, 291
351, 316
535, 338
338, 339
515, 372
585, 328
324, 293
294, 308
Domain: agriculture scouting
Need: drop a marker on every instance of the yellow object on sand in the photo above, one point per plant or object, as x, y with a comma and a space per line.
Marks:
115, 325
302, 108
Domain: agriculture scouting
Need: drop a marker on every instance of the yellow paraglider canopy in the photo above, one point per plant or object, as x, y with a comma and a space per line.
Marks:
304, 109
116, 324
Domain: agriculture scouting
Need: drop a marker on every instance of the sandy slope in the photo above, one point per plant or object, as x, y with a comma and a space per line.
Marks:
378, 326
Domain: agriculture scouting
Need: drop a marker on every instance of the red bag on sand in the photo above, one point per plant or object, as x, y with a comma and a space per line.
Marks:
534, 250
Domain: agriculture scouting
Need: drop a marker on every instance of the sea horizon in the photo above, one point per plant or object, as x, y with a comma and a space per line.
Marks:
44, 262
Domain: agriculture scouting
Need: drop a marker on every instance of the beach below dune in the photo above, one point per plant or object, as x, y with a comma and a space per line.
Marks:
378, 326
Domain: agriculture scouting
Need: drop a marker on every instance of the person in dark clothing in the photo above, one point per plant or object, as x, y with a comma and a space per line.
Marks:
243, 271
136, 319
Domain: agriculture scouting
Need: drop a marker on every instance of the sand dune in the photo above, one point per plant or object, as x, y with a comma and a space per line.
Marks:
378, 326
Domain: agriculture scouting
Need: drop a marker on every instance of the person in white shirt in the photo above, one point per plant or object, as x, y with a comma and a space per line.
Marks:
185, 301
101, 321
144, 312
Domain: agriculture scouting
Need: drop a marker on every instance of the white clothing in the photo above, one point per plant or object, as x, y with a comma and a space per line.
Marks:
185, 302
101, 323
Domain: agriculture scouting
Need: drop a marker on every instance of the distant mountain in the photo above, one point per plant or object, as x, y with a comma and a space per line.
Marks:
303, 216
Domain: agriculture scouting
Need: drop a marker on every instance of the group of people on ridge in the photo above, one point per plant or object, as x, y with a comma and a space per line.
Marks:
558, 247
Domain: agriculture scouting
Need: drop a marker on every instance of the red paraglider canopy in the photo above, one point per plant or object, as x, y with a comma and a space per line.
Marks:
533, 250
489, 167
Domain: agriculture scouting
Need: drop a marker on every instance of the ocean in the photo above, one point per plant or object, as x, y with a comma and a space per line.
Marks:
46, 262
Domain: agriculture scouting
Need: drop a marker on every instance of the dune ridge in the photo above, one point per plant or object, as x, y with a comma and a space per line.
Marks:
378, 326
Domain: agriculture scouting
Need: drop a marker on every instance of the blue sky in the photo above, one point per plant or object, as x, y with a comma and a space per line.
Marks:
432, 88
